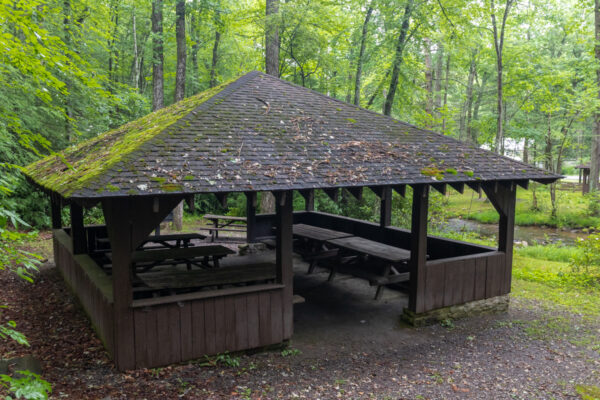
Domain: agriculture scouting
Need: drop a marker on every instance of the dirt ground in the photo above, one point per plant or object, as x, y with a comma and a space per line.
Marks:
345, 345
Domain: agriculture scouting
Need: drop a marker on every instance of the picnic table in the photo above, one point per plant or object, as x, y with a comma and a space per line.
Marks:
198, 255
180, 239
224, 223
312, 246
368, 253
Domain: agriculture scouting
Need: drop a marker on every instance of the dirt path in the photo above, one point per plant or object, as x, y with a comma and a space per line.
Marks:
345, 346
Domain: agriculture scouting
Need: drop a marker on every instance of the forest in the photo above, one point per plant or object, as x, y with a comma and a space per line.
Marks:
516, 77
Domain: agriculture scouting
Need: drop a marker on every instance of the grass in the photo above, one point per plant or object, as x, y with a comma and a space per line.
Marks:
573, 211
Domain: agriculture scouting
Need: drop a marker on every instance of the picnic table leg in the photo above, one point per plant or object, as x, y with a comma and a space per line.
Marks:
386, 272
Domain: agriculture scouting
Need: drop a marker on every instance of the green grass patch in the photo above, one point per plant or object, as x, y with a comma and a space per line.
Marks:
573, 209
588, 392
550, 252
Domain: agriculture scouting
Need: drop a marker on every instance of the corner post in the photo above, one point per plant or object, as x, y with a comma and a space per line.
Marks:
251, 204
56, 212
309, 199
77, 230
118, 214
385, 218
418, 248
284, 258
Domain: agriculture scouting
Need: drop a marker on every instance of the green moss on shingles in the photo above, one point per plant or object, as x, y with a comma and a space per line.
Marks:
189, 178
76, 166
158, 179
171, 187
112, 188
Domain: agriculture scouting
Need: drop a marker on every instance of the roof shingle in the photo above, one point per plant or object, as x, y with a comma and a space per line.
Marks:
262, 133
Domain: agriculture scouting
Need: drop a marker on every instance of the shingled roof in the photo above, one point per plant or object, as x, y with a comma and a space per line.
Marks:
261, 133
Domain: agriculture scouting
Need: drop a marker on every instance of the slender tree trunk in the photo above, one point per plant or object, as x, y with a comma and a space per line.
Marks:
469, 102
499, 46
135, 66
361, 54
379, 89
437, 80
272, 38
195, 47
215, 59
477, 105
267, 200
446, 81
526, 151
181, 50
595, 156
67, 11
399, 57
158, 100
428, 81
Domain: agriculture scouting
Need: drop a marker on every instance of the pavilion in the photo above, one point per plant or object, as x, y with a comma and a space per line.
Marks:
261, 134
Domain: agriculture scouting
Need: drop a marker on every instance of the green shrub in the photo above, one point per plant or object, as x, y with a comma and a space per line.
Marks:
586, 264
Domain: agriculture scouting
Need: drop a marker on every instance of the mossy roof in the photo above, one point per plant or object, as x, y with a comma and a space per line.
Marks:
262, 133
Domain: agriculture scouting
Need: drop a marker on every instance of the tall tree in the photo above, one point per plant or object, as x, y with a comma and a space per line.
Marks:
361, 54
267, 200
158, 98
181, 50
272, 38
595, 156
499, 47
399, 57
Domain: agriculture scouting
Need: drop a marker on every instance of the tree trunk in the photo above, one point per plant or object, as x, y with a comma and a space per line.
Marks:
135, 66
498, 46
272, 38
158, 100
195, 47
67, 40
399, 57
359, 61
215, 59
178, 217
267, 200
181, 50
469, 102
437, 80
595, 156
446, 81
526, 151
477, 105
428, 82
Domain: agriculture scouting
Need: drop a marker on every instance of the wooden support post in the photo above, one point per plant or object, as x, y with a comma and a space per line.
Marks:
400, 189
118, 216
284, 257
418, 248
309, 199
222, 198
385, 217
356, 192
77, 230
458, 186
334, 194
504, 198
56, 212
251, 204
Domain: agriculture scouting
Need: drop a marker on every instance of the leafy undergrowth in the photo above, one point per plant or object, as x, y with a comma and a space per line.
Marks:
588, 392
574, 209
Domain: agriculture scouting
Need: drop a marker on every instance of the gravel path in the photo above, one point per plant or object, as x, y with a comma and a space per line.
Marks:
345, 346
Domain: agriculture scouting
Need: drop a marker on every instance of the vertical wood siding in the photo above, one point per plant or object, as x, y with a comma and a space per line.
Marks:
171, 333
459, 280
89, 284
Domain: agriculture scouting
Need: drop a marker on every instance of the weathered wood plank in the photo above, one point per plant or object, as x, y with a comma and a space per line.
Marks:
469, 282
480, 277
253, 320
220, 327
418, 249
229, 317
198, 331
210, 326
241, 322
264, 317
186, 332
276, 317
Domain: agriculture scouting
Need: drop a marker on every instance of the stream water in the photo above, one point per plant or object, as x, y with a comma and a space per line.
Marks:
529, 234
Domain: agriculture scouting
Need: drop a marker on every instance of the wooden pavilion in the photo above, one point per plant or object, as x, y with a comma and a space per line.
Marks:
584, 177
260, 134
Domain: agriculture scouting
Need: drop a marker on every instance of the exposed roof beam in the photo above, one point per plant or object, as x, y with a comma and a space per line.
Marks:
334, 194
357, 192
440, 187
458, 186
400, 189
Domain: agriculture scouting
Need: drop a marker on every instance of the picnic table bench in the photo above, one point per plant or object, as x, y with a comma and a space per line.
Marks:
233, 275
224, 223
367, 254
197, 255
180, 239
312, 246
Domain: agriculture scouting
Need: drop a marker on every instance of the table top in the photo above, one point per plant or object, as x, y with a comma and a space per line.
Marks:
174, 236
372, 248
316, 233
224, 217
180, 253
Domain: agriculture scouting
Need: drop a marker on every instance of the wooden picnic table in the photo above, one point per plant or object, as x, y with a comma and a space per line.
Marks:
392, 258
180, 239
197, 255
234, 275
225, 223
314, 238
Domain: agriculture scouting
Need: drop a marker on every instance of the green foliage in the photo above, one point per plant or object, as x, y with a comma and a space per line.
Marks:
586, 263
221, 359
28, 386
588, 392
290, 352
